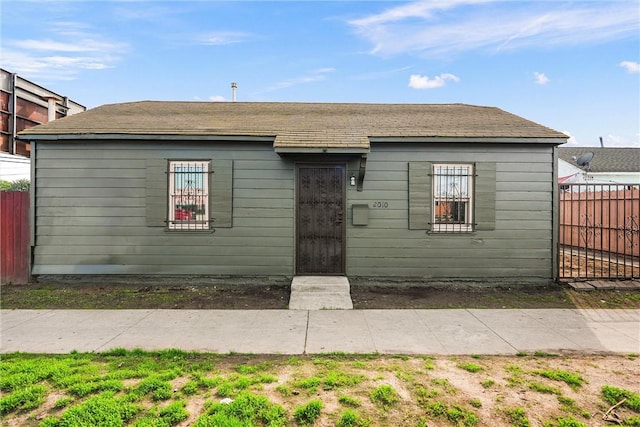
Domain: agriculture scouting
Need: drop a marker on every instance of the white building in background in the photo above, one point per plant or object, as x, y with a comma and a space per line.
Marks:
24, 104
608, 166
14, 168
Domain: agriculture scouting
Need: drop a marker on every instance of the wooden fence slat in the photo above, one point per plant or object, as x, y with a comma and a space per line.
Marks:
14, 237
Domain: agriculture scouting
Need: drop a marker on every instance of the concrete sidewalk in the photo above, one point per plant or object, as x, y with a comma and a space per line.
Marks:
474, 331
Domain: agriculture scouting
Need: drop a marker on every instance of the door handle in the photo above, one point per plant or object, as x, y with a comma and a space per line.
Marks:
339, 217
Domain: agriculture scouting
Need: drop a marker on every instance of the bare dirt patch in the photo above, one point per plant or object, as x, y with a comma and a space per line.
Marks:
144, 296
433, 391
238, 296
597, 265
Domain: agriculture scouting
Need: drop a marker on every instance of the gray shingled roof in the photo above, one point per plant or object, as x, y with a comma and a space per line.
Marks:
605, 159
297, 124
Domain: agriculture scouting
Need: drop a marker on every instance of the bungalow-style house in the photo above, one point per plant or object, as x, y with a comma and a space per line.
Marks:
434, 192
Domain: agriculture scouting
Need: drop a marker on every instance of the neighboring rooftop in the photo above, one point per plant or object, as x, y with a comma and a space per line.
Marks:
298, 124
604, 159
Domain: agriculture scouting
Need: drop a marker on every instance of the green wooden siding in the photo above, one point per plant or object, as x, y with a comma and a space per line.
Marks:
485, 196
156, 194
513, 213
221, 194
101, 209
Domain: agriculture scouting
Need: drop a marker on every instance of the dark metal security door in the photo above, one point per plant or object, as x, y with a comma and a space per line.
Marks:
320, 215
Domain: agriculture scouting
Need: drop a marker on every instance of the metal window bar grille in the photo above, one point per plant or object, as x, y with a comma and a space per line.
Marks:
452, 207
189, 196
599, 231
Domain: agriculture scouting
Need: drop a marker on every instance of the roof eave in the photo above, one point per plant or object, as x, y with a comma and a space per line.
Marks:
143, 137
321, 150
462, 139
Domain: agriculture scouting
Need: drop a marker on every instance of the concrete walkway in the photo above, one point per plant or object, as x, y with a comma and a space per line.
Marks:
300, 331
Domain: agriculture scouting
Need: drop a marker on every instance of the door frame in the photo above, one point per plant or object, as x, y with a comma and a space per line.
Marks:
343, 231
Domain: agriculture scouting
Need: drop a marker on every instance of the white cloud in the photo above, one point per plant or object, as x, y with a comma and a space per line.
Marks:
145, 11
630, 66
620, 141
541, 78
77, 45
446, 27
380, 74
76, 62
53, 67
610, 141
572, 139
313, 76
221, 38
416, 81
417, 9
63, 54
325, 70
212, 98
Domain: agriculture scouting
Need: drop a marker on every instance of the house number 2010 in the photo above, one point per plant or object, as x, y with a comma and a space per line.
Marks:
380, 204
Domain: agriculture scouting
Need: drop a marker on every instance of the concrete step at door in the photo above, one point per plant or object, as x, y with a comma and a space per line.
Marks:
320, 293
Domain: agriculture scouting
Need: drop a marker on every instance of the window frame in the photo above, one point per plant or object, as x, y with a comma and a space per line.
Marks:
467, 173
204, 224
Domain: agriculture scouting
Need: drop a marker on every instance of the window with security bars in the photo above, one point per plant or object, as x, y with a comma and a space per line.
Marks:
188, 195
452, 198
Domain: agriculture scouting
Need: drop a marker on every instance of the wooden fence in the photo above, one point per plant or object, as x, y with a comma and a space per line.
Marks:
14, 237
598, 231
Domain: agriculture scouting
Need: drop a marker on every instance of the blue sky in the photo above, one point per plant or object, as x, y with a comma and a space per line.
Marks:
570, 65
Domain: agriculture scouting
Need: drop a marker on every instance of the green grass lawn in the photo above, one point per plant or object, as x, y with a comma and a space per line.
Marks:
174, 388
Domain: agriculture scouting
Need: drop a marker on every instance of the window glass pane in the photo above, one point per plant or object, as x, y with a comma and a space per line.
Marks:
452, 181
452, 190
189, 195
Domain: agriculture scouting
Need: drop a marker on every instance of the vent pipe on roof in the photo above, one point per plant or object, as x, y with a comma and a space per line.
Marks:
234, 86
601, 143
